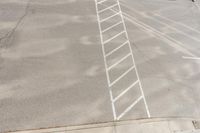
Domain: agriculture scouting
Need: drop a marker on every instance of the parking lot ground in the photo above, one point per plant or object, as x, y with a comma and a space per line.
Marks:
71, 63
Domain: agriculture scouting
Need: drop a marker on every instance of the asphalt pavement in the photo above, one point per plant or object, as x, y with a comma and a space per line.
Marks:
69, 63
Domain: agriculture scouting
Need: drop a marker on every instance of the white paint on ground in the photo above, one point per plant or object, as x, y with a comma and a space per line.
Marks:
191, 58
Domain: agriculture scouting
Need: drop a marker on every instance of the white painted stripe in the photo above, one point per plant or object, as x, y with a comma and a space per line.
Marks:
107, 75
110, 39
163, 23
172, 42
120, 77
141, 88
129, 108
111, 27
118, 62
105, 19
111, 52
176, 22
192, 58
100, 2
125, 91
103, 10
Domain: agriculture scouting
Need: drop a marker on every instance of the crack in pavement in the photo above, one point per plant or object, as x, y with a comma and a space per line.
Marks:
9, 34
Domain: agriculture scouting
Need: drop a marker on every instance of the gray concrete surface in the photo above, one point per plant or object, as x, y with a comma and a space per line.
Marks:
52, 69
138, 126
52, 72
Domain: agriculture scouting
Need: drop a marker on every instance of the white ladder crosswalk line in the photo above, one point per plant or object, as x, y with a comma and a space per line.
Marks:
130, 107
121, 76
125, 91
102, 1
105, 19
110, 39
103, 10
118, 62
112, 26
114, 50
129, 54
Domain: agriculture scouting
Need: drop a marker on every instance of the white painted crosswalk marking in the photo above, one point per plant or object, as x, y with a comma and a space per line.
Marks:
103, 10
110, 39
121, 76
107, 29
114, 50
122, 33
125, 91
105, 19
119, 61
130, 107
100, 2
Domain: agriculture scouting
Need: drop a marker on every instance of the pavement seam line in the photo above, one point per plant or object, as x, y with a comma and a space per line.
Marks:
11, 32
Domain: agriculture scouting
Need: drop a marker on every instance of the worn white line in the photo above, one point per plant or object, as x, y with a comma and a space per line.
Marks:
105, 19
172, 42
110, 39
141, 88
125, 91
129, 108
103, 10
120, 77
118, 62
107, 75
161, 22
114, 50
192, 58
178, 23
111, 27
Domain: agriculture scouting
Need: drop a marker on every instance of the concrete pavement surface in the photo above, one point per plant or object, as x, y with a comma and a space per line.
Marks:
138, 126
78, 62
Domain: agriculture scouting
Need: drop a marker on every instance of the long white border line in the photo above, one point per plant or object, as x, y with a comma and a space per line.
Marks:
141, 89
171, 41
178, 23
165, 24
103, 50
161, 35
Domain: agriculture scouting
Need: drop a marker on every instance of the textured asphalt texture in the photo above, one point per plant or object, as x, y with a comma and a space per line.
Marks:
52, 69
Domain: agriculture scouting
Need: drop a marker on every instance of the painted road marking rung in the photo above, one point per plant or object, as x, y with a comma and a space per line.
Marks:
116, 48
120, 22
105, 19
118, 62
103, 10
113, 37
100, 2
130, 107
125, 91
124, 74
